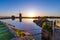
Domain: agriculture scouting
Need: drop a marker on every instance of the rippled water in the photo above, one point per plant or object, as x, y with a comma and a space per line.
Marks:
27, 25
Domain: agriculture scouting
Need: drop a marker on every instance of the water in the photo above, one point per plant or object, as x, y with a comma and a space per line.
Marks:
27, 25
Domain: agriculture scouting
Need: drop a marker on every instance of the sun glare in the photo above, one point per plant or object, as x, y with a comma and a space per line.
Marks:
31, 14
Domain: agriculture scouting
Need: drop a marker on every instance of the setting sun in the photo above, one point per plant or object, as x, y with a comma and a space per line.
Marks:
31, 14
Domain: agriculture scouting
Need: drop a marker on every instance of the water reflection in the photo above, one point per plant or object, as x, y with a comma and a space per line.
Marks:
27, 25
31, 20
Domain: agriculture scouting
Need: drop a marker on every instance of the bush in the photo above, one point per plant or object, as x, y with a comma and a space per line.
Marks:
47, 26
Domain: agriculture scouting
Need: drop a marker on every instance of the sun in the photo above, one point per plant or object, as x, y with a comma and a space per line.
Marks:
31, 14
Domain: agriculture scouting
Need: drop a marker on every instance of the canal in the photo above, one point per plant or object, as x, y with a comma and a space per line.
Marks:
27, 25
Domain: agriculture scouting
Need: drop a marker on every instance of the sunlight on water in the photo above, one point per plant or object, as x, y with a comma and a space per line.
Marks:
31, 20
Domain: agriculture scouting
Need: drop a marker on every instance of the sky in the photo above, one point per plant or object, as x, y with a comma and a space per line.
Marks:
40, 7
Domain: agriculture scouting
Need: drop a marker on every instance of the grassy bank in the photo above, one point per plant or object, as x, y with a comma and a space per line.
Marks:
5, 34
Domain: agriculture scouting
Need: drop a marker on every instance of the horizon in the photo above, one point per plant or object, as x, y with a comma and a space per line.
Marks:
39, 7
